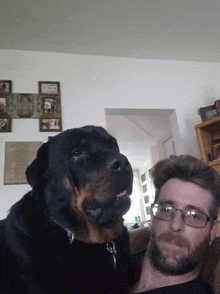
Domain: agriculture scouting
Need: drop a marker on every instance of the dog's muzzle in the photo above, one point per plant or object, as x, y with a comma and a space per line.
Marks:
105, 214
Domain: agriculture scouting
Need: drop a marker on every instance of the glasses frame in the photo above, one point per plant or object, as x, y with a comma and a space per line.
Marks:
208, 218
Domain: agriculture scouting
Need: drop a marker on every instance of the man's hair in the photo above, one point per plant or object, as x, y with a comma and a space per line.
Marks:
189, 169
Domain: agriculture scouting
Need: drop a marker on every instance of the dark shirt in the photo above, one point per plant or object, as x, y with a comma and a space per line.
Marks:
197, 286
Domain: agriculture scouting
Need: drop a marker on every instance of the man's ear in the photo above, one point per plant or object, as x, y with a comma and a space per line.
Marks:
214, 231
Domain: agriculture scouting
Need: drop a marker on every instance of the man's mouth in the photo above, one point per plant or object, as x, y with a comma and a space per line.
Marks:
178, 241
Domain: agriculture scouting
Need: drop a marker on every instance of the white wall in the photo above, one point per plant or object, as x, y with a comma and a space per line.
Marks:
136, 196
134, 142
91, 83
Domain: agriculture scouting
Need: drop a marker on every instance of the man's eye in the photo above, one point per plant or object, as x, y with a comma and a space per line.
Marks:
166, 208
193, 214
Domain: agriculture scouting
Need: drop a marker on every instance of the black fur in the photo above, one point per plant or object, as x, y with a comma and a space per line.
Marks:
80, 184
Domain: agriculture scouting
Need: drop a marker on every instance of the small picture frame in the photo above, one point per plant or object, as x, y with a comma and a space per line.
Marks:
50, 125
51, 105
208, 112
5, 87
3, 106
216, 151
49, 88
217, 106
5, 125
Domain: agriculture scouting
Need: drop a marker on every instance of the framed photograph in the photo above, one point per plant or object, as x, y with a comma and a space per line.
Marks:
216, 151
3, 106
217, 106
5, 87
208, 112
5, 125
49, 88
50, 125
51, 105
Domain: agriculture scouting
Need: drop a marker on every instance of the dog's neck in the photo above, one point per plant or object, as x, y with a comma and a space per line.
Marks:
110, 245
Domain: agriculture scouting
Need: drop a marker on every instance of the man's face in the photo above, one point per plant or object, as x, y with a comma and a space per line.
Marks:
175, 247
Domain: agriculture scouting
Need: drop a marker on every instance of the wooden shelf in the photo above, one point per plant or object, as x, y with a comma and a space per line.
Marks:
214, 162
208, 122
208, 135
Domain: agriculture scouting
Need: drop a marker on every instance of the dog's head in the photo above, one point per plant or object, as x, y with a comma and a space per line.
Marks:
85, 181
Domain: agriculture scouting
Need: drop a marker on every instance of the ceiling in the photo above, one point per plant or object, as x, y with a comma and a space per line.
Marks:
147, 29
187, 30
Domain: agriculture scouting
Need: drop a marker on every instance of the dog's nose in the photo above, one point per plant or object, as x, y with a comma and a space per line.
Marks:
115, 164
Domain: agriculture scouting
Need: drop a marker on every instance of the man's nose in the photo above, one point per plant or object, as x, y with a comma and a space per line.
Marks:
177, 223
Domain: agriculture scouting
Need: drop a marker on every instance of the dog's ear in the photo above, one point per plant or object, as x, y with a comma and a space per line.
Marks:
36, 170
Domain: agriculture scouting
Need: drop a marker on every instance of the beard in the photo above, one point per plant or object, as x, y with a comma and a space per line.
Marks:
181, 263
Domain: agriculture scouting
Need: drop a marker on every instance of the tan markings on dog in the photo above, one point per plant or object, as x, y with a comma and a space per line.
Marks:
92, 232
99, 234
82, 194
66, 183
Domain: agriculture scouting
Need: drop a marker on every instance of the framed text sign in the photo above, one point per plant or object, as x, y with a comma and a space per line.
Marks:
49, 88
18, 156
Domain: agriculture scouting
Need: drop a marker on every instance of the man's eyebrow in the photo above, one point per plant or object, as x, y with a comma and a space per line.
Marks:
166, 202
192, 207
188, 207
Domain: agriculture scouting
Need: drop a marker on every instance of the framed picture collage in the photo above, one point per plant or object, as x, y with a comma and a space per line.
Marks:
45, 106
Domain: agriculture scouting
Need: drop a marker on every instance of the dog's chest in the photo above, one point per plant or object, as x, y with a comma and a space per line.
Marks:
82, 258
77, 268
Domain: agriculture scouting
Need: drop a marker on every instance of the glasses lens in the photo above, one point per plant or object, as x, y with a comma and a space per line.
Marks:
162, 211
195, 218
192, 218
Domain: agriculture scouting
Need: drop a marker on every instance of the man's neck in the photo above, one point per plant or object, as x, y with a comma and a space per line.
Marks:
151, 278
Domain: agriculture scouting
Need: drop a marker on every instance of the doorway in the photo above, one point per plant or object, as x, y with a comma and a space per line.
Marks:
142, 135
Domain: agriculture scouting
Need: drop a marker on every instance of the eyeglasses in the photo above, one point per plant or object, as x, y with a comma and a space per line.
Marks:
191, 217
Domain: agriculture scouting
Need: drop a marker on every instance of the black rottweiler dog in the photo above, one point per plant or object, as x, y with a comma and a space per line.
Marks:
67, 234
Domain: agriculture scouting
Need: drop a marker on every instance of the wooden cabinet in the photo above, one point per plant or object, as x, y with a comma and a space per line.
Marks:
208, 135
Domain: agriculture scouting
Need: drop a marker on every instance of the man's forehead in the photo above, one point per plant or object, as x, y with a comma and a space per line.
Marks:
185, 194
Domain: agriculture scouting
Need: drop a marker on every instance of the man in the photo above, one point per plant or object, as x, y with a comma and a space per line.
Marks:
184, 223
2, 87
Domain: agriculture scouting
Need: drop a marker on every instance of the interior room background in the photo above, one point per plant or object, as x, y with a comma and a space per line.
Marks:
111, 92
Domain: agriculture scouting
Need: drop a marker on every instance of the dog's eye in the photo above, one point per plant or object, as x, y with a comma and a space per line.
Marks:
77, 153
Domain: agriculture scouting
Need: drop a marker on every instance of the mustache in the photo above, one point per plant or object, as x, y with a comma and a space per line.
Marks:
174, 239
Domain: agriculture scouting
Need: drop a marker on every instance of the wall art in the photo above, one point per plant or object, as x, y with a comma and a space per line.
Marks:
50, 124
49, 88
5, 87
18, 156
